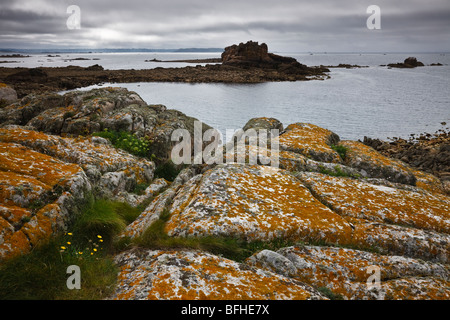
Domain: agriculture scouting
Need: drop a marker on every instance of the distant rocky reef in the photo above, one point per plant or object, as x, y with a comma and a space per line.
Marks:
243, 63
409, 63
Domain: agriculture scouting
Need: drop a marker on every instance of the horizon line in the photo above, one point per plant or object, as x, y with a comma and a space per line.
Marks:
193, 50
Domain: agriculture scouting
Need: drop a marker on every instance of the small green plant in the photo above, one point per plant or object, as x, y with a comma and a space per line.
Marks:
330, 294
140, 188
125, 211
127, 141
167, 170
68, 115
341, 150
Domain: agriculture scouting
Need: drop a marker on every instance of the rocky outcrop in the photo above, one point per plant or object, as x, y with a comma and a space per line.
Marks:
372, 164
366, 202
400, 226
246, 53
45, 178
330, 211
86, 112
254, 55
409, 63
425, 152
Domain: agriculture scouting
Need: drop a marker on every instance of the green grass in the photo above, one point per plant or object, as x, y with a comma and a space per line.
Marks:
41, 275
99, 218
337, 172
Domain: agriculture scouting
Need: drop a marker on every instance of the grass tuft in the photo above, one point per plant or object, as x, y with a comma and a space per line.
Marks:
341, 150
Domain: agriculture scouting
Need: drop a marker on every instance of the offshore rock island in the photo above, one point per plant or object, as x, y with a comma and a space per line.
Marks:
243, 63
308, 229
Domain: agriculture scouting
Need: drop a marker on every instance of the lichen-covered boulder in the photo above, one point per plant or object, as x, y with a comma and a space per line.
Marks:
110, 170
359, 199
151, 191
401, 240
311, 141
374, 165
264, 123
193, 275
38, 195
85, 112
155, 209
351, 273
410, 221
252, 203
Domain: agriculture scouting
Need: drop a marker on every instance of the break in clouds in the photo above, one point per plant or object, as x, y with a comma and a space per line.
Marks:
289, 25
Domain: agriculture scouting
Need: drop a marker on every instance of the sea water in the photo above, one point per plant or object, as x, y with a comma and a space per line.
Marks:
376, 101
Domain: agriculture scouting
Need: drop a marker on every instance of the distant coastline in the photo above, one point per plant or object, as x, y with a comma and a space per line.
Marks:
104, 50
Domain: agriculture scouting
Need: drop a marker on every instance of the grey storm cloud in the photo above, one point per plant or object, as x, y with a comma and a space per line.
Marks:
285, 25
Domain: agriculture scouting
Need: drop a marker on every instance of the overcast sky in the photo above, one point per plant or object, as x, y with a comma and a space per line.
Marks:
285, 25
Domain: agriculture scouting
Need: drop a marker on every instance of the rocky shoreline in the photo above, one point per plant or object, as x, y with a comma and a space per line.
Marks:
427, 152
330, 212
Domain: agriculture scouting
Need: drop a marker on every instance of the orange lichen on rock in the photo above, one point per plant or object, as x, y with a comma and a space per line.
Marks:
254, 203
311, 141
12, 242
378, 203
374, 165
87, 152
347, 272
428, 181
14, 214
181, 275
24, 161
401, 240
31, 185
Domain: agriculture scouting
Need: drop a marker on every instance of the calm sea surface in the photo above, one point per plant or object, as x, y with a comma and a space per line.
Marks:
374, 101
